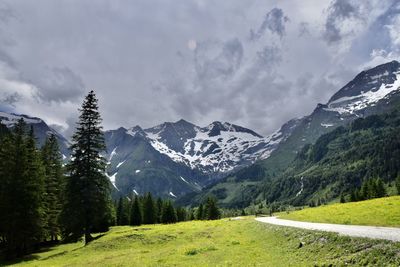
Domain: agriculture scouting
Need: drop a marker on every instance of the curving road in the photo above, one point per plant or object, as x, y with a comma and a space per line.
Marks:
388, 233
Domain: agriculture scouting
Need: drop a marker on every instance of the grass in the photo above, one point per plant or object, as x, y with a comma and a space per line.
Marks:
376, 212
224, 242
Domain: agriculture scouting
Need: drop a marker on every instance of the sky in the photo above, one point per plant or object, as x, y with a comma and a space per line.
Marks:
254, 63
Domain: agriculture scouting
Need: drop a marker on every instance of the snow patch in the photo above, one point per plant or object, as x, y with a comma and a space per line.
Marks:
301, 187
134, 191
326, 125
113, 153
137, 171
183, 179
171, 194
119, 164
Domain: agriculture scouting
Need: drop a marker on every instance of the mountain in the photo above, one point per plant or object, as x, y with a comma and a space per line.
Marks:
341, 161
40, 128
175, 158
374, 91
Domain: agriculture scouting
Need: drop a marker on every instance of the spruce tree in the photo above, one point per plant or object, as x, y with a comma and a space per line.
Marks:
122, 212
136, 214
159, 205
200, 212
168, 213
380, 188
342, 199
51, 158
149, 211
398, 184
22, 190
180, 214
211, 211
87, 192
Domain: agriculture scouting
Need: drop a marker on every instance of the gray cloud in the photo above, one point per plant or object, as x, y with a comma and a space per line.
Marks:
57, 84
274, 21
339, 11
185, 59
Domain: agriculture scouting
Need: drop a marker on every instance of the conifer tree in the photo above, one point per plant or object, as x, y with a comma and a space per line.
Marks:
168, 213
211, 211
342, 199
159, 205
380, 188
180, 214
149, 211
136, 214
51, 159
122, 212
200, 212
398, 184
87, 191
21, 198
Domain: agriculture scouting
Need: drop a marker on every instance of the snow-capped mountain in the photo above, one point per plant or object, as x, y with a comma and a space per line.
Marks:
216, 148
40, 128
192, 156
373, 91
367, 89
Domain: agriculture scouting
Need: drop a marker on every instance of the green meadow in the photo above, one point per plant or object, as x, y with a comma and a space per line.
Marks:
225, 242
377, 212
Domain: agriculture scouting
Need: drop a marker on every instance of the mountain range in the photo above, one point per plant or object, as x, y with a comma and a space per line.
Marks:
374, 91
186, 162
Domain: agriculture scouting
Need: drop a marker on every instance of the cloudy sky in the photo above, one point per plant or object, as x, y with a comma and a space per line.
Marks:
256, 63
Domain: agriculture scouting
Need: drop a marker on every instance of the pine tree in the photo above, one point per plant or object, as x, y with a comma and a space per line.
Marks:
21, 198
380, 188
200, 212
211, 211
122, 212
181, 214
149, 212
398, 184
168, 213
136, 214
51, 159
342, 199
87, 191
159, 205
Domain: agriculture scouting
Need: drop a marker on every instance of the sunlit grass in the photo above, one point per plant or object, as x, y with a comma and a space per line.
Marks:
225, 242
376, 212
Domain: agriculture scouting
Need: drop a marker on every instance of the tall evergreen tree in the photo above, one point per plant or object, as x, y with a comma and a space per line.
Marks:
380, 188
211, 210
21, 192
181, 214
51, 158
122, 212
136, 214
87, 191
168, 213
159, 206
149, 210
200, 212
398, 184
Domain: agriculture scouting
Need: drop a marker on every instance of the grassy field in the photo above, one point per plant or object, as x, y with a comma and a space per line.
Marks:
377, 212
244, 242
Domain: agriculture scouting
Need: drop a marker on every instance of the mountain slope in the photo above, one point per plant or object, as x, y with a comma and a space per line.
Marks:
374, 91
40, 128
341, 161
172, 159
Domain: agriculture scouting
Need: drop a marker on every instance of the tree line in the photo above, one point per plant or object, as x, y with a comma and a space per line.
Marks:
42, 200
137, 210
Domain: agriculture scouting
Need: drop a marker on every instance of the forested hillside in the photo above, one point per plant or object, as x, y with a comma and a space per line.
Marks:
342, 162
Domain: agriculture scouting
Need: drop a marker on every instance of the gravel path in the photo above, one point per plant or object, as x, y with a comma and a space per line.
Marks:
388, 233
